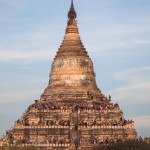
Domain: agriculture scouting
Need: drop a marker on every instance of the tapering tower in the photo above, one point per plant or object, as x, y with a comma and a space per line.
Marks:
72, 70
72, 113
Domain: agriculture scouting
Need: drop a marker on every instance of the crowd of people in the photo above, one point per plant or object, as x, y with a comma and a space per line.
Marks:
104, 123
56, 122
61, 122
63, 140
101, 141
60, 140
72, 107
49, 140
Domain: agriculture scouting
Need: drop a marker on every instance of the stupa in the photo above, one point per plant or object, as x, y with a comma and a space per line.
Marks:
72, 113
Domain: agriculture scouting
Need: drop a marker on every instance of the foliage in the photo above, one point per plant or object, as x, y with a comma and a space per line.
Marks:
18, 148
128, 145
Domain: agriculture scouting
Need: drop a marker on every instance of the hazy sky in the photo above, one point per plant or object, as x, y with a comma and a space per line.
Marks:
116, 34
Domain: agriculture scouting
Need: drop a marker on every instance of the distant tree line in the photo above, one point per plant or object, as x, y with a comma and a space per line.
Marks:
18, 148
127, 145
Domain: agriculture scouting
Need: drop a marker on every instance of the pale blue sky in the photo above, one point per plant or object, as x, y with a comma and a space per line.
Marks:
116, 34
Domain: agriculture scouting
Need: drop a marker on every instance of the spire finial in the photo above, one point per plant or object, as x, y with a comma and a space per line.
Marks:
72, 5
72, 13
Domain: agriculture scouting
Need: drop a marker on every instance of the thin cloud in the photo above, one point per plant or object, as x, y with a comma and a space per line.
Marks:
137, 93
7, 56
15, 3
118, 36
136, 87
134, 75
9, 97
27, 47
142, 121
27, 80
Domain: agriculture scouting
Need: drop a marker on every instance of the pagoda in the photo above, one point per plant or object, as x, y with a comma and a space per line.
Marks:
71, 113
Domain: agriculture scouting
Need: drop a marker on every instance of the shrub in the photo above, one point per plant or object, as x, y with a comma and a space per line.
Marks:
18, 148
128, 145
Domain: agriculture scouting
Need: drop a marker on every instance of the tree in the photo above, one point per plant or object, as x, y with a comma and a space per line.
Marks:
128, 145
18, 148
